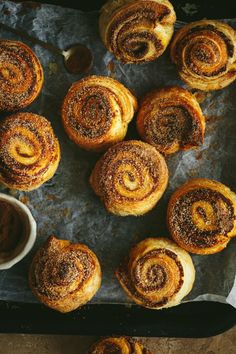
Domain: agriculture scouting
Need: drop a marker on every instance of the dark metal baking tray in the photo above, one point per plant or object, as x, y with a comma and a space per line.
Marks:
195, 319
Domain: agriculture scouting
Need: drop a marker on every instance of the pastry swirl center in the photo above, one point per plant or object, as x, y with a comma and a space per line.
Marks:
201, 215
204, 51
158, 273
132, 32
131, 174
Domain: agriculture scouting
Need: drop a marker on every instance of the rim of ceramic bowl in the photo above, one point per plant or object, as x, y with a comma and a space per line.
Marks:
31, 237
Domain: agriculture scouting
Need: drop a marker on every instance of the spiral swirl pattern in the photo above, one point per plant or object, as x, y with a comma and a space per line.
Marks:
205, 54
201, 216
171, 119
119, 345
29, 151
158, 273
130, 178
64, 276
96, 112
137, 31
21, 75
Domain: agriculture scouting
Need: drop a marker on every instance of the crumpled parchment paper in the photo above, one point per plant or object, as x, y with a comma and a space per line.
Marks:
67, 207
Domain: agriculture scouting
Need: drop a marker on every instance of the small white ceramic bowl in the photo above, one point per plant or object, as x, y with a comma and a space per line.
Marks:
23, 248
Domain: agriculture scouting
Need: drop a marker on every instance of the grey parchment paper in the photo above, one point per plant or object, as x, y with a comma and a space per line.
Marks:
67, 207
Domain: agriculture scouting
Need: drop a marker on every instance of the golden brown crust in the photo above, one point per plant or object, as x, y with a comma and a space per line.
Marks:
21, 75
29, 151
171, 119
157, 274
130, 178
205, 54
96, 112
137, 31
201, 216
63, 275
119, 345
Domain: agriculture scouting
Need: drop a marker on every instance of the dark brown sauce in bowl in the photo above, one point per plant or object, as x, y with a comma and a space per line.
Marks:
14, 230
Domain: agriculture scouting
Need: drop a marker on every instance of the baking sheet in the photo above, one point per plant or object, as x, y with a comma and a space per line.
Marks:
67, 207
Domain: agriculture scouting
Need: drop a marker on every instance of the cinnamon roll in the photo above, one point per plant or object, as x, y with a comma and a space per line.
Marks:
21, 75
96, 112
63, 275
205, 54
130, 178
157, 274
171, 119
137, 31
202, 216
29, 151
121, 345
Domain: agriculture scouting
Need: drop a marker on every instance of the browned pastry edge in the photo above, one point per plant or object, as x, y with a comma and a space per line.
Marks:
29, 151
130, 178
205, 54
137, 31
21, 75
96, 112
171, 119
201, 216
64, 275
157, 273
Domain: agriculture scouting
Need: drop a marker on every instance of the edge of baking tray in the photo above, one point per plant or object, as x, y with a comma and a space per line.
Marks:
193, 319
